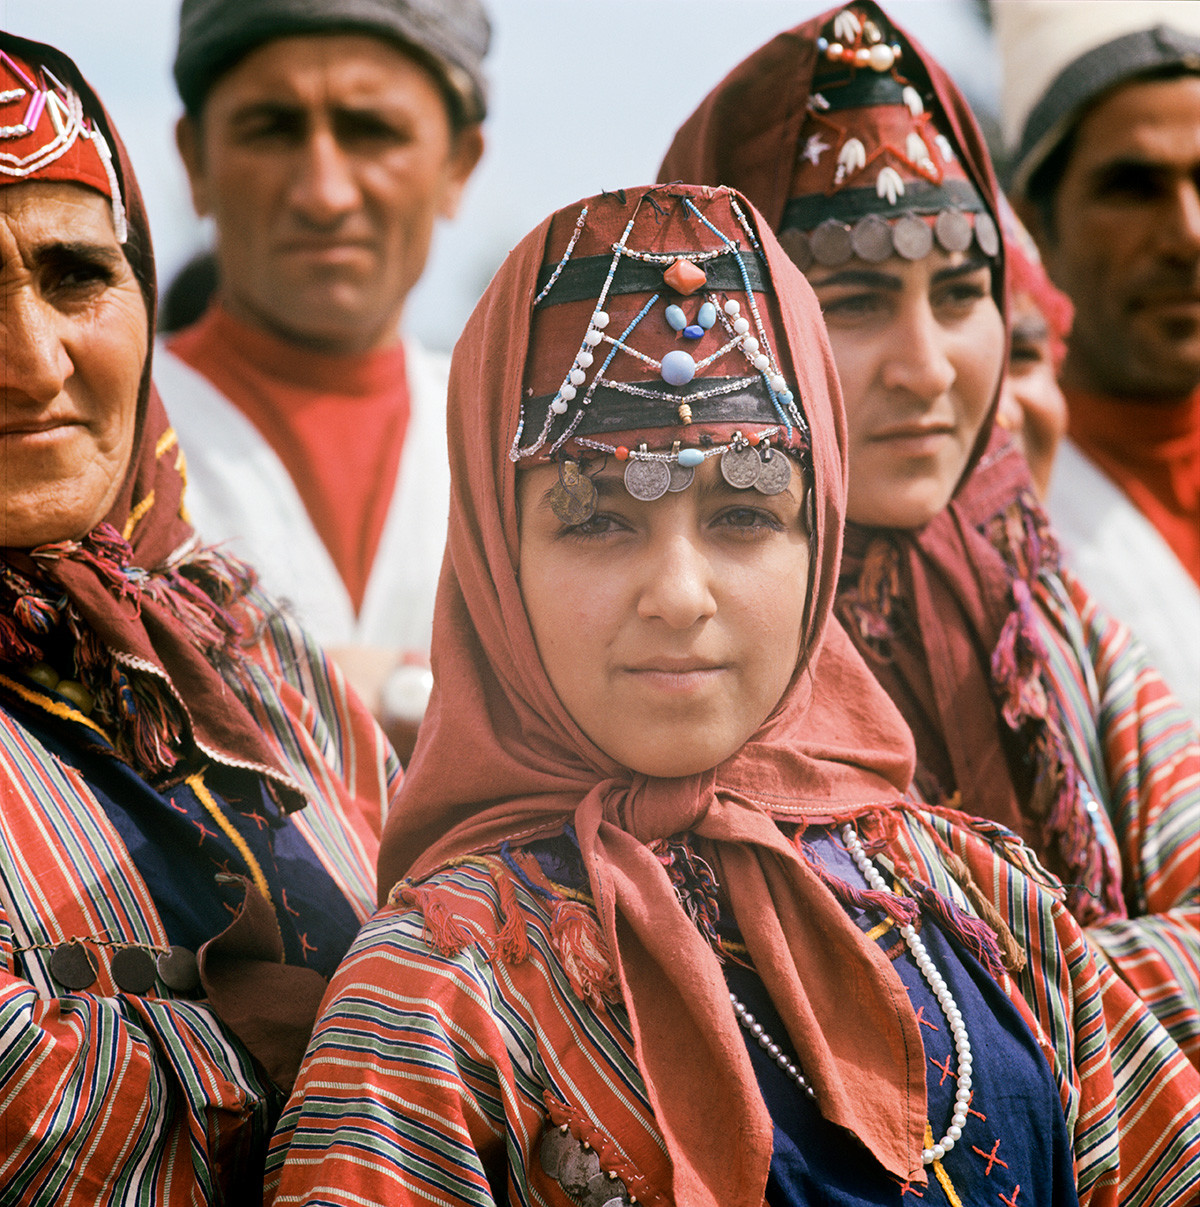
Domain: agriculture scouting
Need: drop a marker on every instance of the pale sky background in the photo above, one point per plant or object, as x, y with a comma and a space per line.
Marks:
585, 96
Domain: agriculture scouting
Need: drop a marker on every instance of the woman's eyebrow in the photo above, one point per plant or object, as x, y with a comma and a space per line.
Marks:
965, 269
869, 277
58, 251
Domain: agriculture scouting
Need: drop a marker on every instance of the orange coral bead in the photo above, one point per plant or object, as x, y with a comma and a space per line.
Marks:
685, 277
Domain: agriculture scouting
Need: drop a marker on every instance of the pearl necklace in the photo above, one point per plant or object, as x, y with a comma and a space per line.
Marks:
935, 981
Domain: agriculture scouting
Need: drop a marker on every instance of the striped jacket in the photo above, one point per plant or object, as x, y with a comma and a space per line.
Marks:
437, 1078
108, 1097
1139, 753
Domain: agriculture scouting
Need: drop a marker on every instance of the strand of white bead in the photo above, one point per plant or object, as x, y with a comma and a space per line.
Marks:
936, 982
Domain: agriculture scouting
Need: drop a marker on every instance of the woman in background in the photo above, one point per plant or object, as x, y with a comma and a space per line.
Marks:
1029, 706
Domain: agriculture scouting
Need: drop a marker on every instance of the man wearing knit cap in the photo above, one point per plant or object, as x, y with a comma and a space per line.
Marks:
1102, 105
325, 138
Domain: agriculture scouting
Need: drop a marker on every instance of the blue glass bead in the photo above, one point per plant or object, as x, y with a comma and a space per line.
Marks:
695, 331
707, 315
678, 368
689, 458
785, 397
676, 319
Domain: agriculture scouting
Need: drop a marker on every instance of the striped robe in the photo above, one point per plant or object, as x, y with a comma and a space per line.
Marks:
1139, 753
106, 1097
433, 1078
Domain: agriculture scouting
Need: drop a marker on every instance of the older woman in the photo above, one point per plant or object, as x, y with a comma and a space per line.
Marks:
188, 800
1029, 706
661, 926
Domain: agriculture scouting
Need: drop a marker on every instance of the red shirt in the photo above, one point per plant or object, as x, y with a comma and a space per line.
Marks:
337, 422
1152, 451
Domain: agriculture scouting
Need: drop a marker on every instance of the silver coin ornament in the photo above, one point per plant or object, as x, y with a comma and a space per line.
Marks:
577, 1169
134, 970
178, 970
740, 467
647, 480
774, 473
573, 496
681, 476
556, 1144
73, 966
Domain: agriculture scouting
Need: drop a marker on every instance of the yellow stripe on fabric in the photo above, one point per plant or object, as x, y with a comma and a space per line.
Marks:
167, 440
54, 707
881, 928
940, 1171
136, 514
196, 783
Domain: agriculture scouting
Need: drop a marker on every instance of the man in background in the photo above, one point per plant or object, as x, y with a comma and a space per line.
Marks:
325, 138
1102, 102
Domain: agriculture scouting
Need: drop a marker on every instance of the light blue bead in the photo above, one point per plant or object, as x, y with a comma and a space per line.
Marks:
676, 319
678, 368
689, 458
707, 315
785, 397
695, 331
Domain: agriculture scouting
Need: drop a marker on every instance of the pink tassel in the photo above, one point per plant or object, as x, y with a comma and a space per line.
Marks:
577, 938
512, 942
973, 933
443, 931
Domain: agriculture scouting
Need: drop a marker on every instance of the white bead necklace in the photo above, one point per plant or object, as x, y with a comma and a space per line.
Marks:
935, 981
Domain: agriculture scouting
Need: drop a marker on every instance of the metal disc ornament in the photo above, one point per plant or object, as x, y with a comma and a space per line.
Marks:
795, 243
740, 467
573, 496
133, 970
647, 480
73, 966
986, 235
556, 1145
953, 230
775, 472
871, 239
178, 970
681, 476
912, 238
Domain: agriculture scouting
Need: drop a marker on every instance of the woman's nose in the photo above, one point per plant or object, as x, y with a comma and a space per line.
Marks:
677, 588
35, 363
918, 360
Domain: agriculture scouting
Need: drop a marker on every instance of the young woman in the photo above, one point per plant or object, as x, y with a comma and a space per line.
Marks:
660, 924
1029, 706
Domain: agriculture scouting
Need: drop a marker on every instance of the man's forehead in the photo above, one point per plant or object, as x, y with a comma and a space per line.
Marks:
1152, 121
303, 69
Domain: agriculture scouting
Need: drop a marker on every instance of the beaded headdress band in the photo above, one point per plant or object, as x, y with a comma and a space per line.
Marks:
874, 174
45, 135
657, 349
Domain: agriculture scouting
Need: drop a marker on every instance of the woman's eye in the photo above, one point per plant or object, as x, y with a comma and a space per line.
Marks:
962, 296
600, 524
749, 519
1025, 355
853, 306
78, 277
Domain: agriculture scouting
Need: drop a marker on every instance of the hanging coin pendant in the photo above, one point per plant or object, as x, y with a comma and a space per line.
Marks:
133, 970
774, 473
557, 1143
179, 970
740, 467
573, 496
647, 480
72, 966
681, 475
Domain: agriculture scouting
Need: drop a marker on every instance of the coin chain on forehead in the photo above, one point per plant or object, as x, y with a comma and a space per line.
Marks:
676, 368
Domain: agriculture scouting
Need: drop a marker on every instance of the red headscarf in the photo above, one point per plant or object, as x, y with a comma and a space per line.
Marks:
943, 613
148, 608
499, 758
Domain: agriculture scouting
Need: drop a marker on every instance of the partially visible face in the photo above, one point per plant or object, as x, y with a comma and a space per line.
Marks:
1126, 242
74, 337
325, 161
919, 347
670, 630
1032, 406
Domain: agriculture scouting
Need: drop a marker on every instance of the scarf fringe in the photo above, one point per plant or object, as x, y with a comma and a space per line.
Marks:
579, 942
904, 911
147, 722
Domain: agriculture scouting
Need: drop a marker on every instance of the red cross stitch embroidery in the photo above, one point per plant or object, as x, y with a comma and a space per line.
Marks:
1013, 1201
922, 1019
990, 1158
947, 1071
305, 945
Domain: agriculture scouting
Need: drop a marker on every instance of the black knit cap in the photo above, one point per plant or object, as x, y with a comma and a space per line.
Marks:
450, 36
